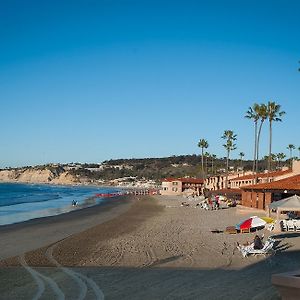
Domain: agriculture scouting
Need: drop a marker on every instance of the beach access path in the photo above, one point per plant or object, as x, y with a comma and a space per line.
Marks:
156, 249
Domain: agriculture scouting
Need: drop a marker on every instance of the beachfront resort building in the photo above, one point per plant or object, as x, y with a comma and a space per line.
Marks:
218, 182
251, 179
281, 184
237, 180
255, 190
262, 195
180, 186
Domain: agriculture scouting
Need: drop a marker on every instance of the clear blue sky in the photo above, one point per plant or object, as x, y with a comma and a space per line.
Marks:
93, 80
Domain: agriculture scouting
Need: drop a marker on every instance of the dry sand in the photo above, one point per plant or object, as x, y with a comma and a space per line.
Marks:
157, 249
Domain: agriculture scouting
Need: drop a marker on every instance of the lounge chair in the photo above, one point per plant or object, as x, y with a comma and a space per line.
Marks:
267, 249
270, 226
231, 230
297, 225
290, 225
283, 225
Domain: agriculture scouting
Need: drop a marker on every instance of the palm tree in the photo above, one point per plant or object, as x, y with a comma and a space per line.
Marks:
203, 144
299, 152
229, 145
273, 158
253, 115
262, 114
291, 147
274, 115
280, 157
241, 154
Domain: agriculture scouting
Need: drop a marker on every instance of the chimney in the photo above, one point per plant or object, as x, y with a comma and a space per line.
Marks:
296, 167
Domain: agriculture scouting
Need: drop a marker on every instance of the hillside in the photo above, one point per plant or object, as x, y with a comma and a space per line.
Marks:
146, 168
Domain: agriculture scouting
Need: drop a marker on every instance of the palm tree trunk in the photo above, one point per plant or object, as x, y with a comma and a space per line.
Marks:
255, 148
212, 165
202, 164
227, 169
270, 149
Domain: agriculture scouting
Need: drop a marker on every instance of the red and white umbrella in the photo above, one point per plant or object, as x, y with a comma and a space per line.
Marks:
252, 222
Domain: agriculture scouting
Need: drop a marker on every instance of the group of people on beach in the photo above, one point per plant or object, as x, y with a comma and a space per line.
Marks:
212, 203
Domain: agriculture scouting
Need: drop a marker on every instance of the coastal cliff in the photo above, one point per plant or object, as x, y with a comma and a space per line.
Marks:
39, 175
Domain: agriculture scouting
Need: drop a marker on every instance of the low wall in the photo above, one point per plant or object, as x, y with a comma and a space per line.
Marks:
288, 285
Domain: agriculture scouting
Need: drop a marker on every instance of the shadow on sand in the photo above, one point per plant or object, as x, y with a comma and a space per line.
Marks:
157, 282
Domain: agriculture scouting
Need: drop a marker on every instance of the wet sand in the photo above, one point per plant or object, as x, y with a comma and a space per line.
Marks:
25, 236
155, 250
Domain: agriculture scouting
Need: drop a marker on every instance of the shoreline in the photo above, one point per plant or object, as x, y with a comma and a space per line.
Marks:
85, 201
39, 230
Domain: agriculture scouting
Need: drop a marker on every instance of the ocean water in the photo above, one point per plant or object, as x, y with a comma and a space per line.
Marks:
22, 202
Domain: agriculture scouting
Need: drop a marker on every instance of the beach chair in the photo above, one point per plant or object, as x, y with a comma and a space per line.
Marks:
231, 230
290, 225
283, 225
246, 230
249, 250
297, 225
270, 226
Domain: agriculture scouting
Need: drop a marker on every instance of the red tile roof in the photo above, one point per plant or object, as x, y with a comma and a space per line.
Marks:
262, 175
184, 180
228, 191
290, 183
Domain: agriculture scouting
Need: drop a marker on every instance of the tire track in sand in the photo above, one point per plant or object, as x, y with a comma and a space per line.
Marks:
39, 280
79, 278
151, 256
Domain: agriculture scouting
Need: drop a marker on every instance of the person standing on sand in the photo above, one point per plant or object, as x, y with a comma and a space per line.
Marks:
209, 202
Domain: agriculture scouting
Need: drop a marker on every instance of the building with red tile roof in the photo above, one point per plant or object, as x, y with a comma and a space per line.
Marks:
290, 183
252, 187
250, 179
261, 195
180, 186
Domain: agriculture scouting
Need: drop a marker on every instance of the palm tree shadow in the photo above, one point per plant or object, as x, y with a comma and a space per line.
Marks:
166, 260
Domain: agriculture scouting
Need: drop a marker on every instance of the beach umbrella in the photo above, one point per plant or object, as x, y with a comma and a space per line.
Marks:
252, 222
268, 220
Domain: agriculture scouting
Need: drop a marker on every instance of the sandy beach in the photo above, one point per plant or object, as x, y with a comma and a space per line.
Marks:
150, 248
